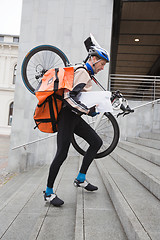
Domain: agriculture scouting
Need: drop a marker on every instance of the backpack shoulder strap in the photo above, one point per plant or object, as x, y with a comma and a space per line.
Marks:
82, 66
56, 81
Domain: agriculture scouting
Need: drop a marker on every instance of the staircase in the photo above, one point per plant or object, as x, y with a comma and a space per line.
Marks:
131, 175
126, 205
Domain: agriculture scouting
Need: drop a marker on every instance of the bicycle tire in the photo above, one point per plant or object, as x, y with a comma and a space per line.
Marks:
38, 61
109, 132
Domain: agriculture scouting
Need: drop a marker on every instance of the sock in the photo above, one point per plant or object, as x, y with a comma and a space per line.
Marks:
81, 177
49, 191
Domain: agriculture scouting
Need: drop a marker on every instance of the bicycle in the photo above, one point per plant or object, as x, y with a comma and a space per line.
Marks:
44, 57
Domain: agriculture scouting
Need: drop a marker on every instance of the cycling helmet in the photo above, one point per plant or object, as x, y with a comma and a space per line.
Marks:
99, 52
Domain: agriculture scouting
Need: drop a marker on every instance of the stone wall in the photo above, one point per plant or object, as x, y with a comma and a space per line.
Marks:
144, 119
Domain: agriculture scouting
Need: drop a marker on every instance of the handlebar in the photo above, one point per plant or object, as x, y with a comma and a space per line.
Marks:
117, 99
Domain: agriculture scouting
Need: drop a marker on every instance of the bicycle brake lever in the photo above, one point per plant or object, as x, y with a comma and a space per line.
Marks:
122, 107
126, 110
119, 114
126, 113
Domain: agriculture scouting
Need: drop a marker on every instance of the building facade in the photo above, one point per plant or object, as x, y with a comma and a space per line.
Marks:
8, 70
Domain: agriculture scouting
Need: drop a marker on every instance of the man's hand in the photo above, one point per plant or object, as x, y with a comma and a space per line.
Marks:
92, 111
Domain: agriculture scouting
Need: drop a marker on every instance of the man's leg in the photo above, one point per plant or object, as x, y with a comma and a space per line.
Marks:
87, 133
64, 136
66, 126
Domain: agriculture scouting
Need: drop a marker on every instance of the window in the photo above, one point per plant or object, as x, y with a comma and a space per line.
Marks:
15, 39
10, 114
14, 74
1, 38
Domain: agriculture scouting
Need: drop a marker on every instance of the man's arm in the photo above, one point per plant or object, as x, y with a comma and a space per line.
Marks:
71, 98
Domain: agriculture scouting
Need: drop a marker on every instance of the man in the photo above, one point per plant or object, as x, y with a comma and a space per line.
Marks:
70, 122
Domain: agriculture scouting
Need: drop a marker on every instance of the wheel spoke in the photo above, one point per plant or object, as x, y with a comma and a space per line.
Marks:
38, 61
108, 131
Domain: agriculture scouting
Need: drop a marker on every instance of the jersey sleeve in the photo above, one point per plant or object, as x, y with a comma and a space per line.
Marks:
71, 98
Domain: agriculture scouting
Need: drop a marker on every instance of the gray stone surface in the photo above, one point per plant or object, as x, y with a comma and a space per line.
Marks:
99, 217
144, 120
144, 171
145, 142
4, 146
138, 209
151, 135
24, 214
150, 154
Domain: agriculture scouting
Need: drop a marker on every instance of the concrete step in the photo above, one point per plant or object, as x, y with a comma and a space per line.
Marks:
150, 135
150, 154
137, 208
25, 215
12, 187
145, 142
85, 215
59, 223
19, 196
96, 217
144, 171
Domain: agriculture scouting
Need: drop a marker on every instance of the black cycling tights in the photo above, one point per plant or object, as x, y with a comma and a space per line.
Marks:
68, 124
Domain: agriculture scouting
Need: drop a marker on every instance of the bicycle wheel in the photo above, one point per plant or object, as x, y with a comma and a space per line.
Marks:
38, 61
107, 129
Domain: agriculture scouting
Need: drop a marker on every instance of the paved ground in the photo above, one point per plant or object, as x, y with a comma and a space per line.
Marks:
4, 148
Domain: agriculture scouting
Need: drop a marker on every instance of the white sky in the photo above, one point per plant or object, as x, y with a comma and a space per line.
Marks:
10, 16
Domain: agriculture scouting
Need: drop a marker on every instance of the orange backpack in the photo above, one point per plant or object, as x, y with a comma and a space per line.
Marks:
50, 96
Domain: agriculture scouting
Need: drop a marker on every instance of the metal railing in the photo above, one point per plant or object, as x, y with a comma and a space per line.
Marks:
24, 145
136, 87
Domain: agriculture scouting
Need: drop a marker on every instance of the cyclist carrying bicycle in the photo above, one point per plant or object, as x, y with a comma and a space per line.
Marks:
70, 122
